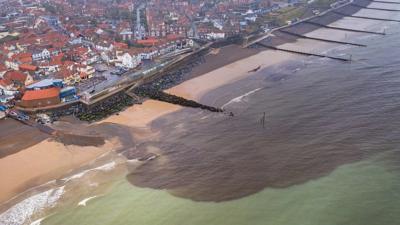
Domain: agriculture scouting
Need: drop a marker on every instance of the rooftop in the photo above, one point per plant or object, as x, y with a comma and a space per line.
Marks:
41, 94
44, 83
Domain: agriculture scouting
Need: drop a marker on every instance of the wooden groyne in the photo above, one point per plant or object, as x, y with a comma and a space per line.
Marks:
365, 17
304, 53
375, 8
321, 39
344, 29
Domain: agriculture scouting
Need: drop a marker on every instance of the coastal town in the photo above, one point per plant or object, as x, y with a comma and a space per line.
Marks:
56, 53
169, 112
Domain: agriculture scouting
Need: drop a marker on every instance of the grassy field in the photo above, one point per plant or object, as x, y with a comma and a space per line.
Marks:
299, 11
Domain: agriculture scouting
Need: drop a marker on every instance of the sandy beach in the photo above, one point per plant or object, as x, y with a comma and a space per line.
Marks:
43, 162
47, 159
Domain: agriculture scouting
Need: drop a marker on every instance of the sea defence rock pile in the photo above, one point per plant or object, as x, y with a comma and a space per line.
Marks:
106, 108
176, 75
165, 97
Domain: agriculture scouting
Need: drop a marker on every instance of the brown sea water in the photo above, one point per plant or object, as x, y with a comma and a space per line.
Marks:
320, 114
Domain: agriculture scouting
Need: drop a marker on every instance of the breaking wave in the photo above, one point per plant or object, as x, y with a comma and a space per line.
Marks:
105, 167
85, 201
21, 213
240, 98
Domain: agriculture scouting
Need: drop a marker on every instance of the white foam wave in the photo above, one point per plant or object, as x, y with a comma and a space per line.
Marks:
22, 211
105, 167
30, 189
240, 98
84, 201
132, 160
37, 222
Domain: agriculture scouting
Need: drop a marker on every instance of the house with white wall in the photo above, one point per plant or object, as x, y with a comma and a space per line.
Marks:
41, 55
128, 60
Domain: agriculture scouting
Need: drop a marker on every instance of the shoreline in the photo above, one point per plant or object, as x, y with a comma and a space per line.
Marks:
138, 116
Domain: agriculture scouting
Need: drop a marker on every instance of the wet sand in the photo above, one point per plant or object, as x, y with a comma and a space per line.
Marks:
222, 57
12, 133
142, 115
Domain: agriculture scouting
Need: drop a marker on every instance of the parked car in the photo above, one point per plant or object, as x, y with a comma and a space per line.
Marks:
12, 113
22, 116
43, 119
18, 115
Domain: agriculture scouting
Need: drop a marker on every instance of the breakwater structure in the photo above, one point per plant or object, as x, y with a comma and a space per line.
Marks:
173, 99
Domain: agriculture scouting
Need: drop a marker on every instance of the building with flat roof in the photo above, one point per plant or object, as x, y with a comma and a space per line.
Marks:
46, 83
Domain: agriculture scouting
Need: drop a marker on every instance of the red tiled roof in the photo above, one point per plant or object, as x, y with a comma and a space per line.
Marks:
4, 83
80, 50
27, 67
23, 57
15, 76
3, 67
120, 45
64, 73
68, 63
172, 37
26, 60
41, 94
147, 42
57, 60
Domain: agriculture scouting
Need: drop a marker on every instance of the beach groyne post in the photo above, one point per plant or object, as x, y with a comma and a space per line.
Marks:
262, 120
